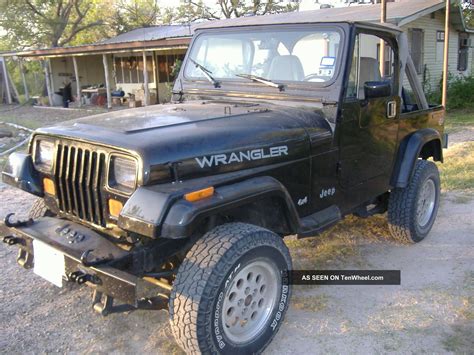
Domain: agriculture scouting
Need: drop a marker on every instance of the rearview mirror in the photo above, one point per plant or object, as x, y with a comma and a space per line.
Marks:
374, 89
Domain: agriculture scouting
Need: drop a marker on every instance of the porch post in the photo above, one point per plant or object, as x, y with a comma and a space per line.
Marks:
5, 79
78, 84
107, 81
145, 80
23, 78
48, 81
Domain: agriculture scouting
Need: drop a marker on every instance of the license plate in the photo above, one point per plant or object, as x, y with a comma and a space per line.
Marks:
49, 263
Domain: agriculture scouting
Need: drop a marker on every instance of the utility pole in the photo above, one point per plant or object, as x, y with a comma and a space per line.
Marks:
383, 19
444, 93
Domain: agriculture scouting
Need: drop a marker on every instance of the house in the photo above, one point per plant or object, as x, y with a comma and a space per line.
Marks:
423, 21
119, 61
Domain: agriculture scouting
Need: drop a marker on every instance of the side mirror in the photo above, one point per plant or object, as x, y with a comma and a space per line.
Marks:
374, 89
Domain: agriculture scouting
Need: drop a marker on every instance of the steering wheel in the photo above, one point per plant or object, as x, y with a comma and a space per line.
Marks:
320, 79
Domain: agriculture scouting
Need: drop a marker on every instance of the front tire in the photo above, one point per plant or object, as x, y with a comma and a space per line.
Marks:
231, 292
412, 210
39, 209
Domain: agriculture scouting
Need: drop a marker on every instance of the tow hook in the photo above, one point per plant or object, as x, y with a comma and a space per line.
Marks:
10, 224
81, 277
12, 240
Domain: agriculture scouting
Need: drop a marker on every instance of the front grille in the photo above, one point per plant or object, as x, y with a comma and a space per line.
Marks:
79, 177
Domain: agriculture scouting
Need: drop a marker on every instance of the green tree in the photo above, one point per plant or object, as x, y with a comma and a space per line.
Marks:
50, 23
197, 10
129, 15
468, 11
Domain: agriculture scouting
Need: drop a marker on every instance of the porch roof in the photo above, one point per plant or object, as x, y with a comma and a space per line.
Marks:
156, 37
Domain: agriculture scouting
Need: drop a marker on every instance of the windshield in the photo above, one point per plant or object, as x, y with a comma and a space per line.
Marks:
278, 55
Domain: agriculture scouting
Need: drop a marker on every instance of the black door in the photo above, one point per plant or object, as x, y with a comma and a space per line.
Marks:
369, 126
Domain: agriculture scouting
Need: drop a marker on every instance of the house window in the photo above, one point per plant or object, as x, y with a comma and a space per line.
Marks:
416, 50
463, 52
129, 70
439, 36
439, 45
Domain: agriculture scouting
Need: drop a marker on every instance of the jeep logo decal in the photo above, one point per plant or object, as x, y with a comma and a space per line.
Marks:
239, 157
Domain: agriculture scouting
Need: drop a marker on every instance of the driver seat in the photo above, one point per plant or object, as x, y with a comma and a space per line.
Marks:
286, 67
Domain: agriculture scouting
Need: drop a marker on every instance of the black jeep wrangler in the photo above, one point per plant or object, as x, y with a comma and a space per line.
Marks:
279, 125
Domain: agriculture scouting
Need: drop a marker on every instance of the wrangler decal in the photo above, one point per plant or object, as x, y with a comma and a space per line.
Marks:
239, 157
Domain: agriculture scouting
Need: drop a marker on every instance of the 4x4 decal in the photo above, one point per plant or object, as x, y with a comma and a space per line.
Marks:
239, 157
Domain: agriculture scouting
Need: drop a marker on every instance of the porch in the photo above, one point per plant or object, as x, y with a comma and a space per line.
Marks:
136, 68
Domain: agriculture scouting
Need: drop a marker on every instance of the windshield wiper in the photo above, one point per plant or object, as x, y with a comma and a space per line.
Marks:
259, 79
207, 73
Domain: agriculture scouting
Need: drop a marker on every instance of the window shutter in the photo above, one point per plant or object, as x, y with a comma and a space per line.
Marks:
417, 48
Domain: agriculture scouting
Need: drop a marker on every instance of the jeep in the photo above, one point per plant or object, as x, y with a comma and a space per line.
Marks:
279, 125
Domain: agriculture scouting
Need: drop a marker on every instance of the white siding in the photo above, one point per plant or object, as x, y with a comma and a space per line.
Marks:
432, 57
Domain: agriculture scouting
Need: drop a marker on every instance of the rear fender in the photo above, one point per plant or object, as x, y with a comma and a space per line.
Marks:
420, 144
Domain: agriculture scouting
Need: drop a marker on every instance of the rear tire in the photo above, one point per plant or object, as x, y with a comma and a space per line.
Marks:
231, 291
412, 210
39, 209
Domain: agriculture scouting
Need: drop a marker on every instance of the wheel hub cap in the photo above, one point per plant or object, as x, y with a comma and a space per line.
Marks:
426, 202
249, 301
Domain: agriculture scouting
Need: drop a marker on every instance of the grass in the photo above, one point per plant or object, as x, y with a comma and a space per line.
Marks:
456, 120
339, 246
28, 122
457, 171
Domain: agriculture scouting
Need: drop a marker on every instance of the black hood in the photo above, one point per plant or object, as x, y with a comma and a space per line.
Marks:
197, 135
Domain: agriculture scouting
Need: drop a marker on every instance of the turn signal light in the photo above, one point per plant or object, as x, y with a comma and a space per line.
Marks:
48, 186
199, 194
115, 207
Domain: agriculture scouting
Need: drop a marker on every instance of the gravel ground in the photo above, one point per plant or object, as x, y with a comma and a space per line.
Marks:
432, 311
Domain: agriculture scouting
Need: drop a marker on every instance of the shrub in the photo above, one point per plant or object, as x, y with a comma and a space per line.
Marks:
460, 93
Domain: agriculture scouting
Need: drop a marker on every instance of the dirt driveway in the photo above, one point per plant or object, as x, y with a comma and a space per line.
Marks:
432, 311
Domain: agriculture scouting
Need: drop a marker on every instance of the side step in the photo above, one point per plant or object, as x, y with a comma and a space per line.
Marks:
314, 224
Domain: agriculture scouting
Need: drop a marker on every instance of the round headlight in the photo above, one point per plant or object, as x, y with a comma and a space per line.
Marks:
44, 155
123, 173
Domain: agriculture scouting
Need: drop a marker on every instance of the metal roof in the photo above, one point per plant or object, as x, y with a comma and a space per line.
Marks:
398, 13
151, 33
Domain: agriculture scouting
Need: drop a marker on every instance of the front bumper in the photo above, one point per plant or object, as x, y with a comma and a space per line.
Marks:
89, 258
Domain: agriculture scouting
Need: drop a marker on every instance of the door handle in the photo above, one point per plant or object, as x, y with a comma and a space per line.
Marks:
391, 109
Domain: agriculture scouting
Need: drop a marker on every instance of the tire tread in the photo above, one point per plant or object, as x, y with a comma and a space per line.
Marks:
199, 274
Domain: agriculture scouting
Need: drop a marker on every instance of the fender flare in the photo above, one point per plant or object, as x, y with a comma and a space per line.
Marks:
20, 172
184, 216
409, 152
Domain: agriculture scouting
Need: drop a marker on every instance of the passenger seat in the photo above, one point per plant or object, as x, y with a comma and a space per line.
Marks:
369, 71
